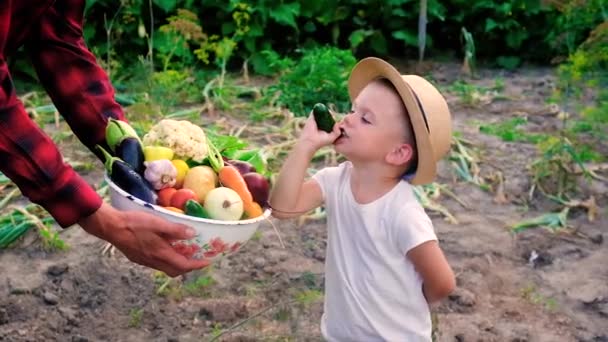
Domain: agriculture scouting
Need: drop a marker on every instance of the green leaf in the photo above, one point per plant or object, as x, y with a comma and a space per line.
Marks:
309, 27
490, 25
254, 157
378, 43
399, 12
226, 143
508, 62
358, 36
554, 221
407, 37
88, 5
165, 5
286, 14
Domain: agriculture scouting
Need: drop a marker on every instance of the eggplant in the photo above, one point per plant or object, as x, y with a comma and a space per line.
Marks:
116, 131
131, 152
127, 178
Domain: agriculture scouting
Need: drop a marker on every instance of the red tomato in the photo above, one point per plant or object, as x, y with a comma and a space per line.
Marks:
164, 196
181, 196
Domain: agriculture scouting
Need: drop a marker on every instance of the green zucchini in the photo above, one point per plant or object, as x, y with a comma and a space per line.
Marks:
323, 118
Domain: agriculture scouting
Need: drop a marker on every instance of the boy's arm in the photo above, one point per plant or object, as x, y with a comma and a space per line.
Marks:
291, 196
437, 275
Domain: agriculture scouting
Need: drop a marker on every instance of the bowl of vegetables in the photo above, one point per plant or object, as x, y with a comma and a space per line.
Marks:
190, 181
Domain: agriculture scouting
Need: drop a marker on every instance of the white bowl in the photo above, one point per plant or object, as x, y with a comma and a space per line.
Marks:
214, 238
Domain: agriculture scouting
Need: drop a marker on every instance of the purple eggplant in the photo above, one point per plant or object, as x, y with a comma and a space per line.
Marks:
131, 152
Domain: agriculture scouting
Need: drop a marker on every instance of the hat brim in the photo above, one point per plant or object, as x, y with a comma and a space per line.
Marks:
372, 68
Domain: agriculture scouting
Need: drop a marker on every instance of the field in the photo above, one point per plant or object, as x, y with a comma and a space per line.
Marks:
537, 284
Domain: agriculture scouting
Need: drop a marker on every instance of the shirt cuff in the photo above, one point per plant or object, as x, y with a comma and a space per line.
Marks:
71, 201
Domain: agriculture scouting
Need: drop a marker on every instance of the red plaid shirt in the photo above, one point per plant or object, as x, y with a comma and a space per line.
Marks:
51, 31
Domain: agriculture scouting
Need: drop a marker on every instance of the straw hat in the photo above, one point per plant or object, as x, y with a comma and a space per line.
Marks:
427, 109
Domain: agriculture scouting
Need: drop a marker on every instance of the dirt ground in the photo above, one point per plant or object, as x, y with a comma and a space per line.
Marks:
537, 285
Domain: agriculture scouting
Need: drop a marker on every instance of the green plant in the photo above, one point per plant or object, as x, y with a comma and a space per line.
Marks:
20, 220
174, 38
554, 221
473, 95
135, 316
199, 286
531, 294
583, 76
308, 297
554, 172
319, 76
509, 130
468, 64
576, 19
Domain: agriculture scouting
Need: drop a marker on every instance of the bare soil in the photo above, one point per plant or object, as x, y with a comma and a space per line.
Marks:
537, 285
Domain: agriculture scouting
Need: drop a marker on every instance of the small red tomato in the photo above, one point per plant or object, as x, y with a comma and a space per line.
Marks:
181, 196
164, 196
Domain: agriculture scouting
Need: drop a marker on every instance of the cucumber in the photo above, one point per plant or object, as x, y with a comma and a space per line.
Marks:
323, 118
193, 208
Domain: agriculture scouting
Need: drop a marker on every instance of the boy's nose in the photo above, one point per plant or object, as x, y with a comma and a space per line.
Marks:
347, 119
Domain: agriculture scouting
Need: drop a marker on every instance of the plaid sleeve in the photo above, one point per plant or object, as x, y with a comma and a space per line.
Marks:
82, 93
31, 160
79, 87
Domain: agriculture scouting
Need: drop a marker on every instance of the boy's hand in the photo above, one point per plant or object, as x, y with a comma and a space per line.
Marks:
314, 138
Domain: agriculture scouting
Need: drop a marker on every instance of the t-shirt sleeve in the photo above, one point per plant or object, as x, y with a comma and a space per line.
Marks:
325, 177
411, 228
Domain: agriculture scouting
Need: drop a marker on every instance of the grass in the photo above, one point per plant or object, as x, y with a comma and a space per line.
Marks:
532, 294
135, 317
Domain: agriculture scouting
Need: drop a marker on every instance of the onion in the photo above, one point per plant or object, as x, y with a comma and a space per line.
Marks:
258, 186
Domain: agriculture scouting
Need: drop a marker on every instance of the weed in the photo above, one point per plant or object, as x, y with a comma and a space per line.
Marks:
553, 221
20, 220
200, 286
468, 64
531, 294
308, 297
257, 236
282, 315
465, 161
135, 316
216, 330
509, 130
473, 95
554, 172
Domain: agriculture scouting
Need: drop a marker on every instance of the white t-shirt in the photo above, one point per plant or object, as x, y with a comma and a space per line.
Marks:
372, 291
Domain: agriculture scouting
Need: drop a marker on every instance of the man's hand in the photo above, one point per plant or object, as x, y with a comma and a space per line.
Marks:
143, 238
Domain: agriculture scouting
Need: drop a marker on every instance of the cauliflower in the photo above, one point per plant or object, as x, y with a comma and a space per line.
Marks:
186, 139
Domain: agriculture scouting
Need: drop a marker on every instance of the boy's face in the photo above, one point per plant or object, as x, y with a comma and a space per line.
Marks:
375, 127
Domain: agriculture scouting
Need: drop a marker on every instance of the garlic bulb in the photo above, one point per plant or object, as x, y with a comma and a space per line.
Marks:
160, 173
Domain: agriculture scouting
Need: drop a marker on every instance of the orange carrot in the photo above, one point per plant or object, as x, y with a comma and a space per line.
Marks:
253, 209
230, 177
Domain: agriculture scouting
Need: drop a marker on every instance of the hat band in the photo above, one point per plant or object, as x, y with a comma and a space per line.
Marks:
411, 173
422, 111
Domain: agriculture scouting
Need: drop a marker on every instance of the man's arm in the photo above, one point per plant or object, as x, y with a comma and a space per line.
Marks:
78, 86
31, 160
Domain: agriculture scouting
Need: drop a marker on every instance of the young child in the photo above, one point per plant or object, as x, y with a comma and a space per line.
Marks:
383, 266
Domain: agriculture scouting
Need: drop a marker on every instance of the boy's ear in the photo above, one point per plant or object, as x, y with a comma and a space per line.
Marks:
400, 155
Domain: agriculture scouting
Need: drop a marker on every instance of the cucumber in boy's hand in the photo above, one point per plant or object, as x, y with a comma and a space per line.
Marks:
323, 118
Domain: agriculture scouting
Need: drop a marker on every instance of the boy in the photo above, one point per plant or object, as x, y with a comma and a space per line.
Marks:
383, 266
